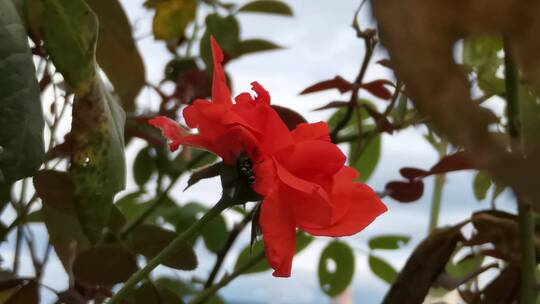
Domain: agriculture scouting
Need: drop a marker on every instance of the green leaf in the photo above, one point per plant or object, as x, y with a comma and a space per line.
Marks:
149, 240
336, 268
104, 265
215, 234
117, 53
97, 155
254, 45
367, 161
302, 241
226, 32
382, 269
465, 266
70, 30
143, 166
21, 118
481, 184
172, 17
480, 54
97, 160
388, 242
267, 7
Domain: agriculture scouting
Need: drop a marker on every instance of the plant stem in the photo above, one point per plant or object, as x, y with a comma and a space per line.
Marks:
437, 190
208, 292
233, 235
525, 213
170, 249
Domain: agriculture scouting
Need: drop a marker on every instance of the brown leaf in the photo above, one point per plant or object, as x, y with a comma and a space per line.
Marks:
336, 83
498, 228
378, 89
117, 53
405, 192
501, 290
290, 117
379, 119
424, 266
421, 51
28, 294
453, 162
55, 188
413, 173
104, 265
149, 240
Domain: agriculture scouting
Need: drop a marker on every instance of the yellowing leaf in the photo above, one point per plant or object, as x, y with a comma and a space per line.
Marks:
172, 17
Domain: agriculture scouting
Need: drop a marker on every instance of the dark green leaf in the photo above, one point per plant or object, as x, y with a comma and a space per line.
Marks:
149, 240
481, 184
185, 216
388, 241
334, 280
70, 30
28, 294
226, 32
267, 7
382, 269
104, 265
368, 159
207, 172
215, 234
21, 118
143, 166
253, 46
172, 17
117, 53
176, 285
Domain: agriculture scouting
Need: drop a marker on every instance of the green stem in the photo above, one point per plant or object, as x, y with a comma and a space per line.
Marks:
437, 190
210, 291
525, 213
170, 249
436, 201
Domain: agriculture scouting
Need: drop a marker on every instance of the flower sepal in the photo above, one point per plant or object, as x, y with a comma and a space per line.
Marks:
236, 186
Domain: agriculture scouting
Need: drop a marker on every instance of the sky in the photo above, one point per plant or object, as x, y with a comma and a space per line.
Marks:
319, 43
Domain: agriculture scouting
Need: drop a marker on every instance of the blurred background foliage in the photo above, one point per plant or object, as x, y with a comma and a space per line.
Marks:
71, 74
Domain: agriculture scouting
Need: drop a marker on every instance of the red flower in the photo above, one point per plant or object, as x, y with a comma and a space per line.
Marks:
301, 174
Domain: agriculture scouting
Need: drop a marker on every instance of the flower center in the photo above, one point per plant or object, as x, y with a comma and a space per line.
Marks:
245, 168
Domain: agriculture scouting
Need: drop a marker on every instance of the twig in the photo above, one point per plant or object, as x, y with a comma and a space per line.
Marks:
233, 235
208, 292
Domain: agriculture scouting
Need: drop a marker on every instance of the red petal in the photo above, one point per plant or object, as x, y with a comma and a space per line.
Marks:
312, 157
279, 233
261, 117
311, 131
176, 135
360, 206
170, 129
220, 91
265, 176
